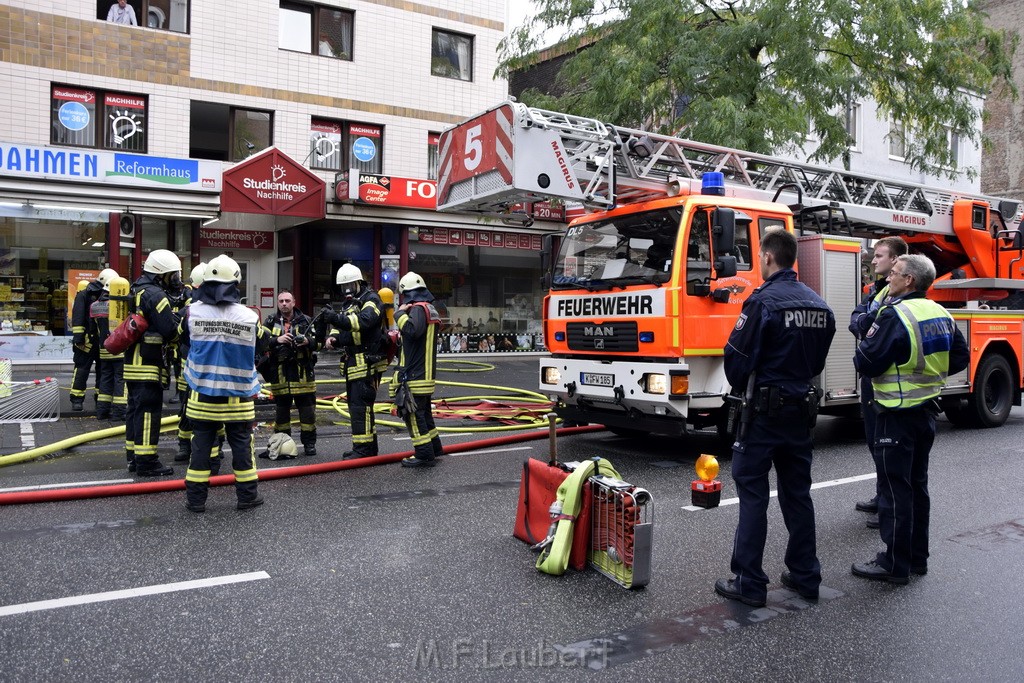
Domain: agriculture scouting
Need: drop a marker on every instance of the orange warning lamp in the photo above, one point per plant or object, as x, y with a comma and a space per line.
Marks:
706, 491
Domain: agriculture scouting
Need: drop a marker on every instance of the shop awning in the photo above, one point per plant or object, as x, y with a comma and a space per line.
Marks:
122, 199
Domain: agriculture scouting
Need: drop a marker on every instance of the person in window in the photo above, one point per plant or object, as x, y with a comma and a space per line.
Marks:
326, 49
658, 257
122, 13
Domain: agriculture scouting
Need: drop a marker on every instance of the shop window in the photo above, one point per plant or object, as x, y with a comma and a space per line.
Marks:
86, 117
341, 145
451, 55
225, 133
163, 15
432, 158
323, 31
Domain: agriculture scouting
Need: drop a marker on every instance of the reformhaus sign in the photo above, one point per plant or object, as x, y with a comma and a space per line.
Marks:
113, 168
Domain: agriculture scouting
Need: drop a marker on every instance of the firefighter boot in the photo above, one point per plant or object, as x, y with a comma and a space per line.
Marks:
151, 466
363, 450
78, 403
102, 410
438, 448
184, 450
195, 496
117, 413
308, 443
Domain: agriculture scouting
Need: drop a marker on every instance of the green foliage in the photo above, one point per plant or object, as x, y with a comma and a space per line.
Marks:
760, 75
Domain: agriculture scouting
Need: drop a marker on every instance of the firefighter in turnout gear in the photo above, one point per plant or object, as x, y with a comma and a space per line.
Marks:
83, 339
886, 251
289, 369
358, 330
223, 338
418, 323
111, 400
908, 352
184, 423
145, 367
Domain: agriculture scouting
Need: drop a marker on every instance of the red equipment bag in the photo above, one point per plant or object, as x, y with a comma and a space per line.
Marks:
127, 333
537, 491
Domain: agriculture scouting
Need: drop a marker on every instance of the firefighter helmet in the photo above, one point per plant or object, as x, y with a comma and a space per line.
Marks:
410, 281
281, 446
105, 276
198, 274
161, 261
348, 273
223, 269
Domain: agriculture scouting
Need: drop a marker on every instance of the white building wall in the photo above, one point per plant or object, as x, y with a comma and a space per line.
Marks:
236, 43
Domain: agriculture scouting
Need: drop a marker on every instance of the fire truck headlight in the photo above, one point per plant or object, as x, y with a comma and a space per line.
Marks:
550, 375
654, 383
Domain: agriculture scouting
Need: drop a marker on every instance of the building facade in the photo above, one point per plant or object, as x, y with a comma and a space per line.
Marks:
1002, 168
214, 127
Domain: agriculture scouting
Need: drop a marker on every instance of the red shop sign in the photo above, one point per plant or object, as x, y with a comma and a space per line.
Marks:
219, 238
272, 182
389, 190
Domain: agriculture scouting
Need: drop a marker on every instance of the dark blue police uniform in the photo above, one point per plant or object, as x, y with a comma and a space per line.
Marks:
903, 440
860, 322
781, 339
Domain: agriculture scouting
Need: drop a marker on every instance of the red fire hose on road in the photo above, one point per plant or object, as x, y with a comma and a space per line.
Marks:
76, 493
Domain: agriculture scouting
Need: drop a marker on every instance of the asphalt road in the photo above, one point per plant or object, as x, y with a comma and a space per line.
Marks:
385, 573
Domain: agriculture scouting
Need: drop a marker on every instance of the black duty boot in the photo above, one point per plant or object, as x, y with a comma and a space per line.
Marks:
117, 413
131, 463
151, 467
195, 496
247, 503
184, 450
438, 448
308, 443
77, 403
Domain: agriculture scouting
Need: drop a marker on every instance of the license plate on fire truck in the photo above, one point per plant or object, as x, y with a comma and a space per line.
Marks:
597, 379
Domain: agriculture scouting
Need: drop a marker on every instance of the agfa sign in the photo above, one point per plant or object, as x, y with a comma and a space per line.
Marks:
271, 182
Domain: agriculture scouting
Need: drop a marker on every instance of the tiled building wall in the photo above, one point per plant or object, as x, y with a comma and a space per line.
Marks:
231, 56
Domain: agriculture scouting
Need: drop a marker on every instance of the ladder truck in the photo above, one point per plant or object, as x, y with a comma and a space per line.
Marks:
645, 286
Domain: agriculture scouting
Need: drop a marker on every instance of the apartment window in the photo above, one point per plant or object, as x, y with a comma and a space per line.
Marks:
341, 145
897, 140
87, 117
432, 157
324, 31
226, 133
853, 125
451, 55
954, 146
164, 15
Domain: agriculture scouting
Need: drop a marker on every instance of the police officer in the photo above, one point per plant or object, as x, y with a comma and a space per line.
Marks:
223, 338
145, 369
111, 401
909, 350
358, 330
886, 251
83, 338
289, 369
418, 323
778, 346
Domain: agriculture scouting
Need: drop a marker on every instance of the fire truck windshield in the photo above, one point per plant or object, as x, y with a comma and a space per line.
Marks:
629, 249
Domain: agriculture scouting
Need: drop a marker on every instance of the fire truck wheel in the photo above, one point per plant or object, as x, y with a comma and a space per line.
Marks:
993, 391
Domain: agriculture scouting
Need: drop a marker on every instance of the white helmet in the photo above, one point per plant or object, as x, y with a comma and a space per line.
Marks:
348, 273
162, 261
198, 274
410, 281
105, 276
223, 269
281, 446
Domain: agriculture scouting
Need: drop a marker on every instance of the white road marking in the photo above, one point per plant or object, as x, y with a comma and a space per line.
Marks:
67, 485
130, 593
773, 494
28, 437
492, 450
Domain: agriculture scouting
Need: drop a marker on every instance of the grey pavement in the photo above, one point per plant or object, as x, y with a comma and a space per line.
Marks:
382, 573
